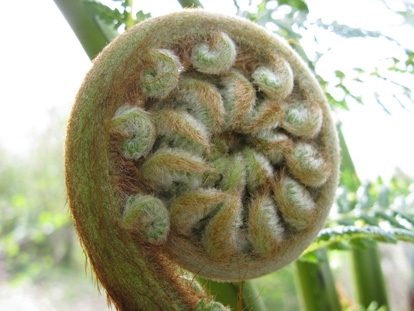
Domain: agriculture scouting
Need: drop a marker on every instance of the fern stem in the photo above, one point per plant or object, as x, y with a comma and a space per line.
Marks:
190, 3
226, 293
252, 299
90, 32
130, 20
239, 296
368, 279
316, 285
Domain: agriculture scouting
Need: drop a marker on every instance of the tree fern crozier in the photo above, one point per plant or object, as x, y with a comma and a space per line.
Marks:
201, 141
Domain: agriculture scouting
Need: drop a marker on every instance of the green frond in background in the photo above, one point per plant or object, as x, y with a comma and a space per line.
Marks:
114, 17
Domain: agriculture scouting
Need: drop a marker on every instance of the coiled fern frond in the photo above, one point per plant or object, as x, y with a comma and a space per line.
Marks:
201, 141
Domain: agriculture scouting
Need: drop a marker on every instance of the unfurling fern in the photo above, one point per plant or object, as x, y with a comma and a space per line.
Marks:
201, 141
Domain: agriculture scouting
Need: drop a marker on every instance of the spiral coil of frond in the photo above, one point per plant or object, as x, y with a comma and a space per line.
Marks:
213, 149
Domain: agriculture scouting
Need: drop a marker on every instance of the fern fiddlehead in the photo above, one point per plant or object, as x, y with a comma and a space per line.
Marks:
198, 140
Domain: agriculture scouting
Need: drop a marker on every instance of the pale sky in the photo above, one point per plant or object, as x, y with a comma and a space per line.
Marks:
42, 65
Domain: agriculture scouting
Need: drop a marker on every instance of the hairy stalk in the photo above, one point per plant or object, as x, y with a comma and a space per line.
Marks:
179, 146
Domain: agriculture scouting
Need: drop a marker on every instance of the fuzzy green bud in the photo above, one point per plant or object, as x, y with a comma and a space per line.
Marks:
232, 134
162, 77
265, 230
188, 209
272, 144
137, 129
259, 172
303, 119
264, 117
178, 129
173, 171
148, 216
239, 98
308, 164
294, 201
216, 56
229, 174
222, 231
202, 100
276, 81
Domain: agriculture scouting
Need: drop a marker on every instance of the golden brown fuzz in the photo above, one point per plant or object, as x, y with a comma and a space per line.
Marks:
202, 141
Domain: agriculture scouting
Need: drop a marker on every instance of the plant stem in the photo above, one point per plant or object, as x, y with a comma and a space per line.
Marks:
239, 296
368, 279
89, 31
130, 20
190, 3
367, 276
252, 299
226, 293
316, 285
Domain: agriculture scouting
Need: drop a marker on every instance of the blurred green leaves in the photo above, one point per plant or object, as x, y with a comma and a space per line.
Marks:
290, 19
106, 14
35, 233
113, 16
375, 212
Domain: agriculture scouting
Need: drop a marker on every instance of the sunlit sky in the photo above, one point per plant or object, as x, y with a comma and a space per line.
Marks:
42, 65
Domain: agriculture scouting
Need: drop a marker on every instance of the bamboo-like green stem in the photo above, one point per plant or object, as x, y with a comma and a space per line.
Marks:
226, 293
252, 300
190, 3
316, 285
87, 29
129, 20
239, 296
367, 274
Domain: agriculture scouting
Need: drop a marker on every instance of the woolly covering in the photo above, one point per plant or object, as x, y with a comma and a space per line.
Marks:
198, 140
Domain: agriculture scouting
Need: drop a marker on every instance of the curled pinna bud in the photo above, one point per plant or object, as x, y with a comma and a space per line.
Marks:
137, 130
308, 164
239, 97
265, 230
294, 201
148, 216
275, 80
303, 119
216, 56
162, 75
198, 141
180, 129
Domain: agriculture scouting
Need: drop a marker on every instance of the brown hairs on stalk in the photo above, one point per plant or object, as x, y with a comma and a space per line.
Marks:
125, 172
